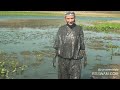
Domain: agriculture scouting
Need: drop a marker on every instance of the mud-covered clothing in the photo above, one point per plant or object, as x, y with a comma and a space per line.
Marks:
69, 69
68, 43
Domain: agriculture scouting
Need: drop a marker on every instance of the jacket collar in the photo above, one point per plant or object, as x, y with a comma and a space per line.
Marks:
71, 26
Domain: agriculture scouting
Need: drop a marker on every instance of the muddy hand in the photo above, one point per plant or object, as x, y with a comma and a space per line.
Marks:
54, 61
85, 61
83, 53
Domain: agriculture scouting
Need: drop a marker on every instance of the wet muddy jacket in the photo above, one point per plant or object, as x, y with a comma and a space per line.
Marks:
69, 41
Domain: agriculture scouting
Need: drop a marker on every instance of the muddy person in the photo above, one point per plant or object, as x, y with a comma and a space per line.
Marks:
70, 48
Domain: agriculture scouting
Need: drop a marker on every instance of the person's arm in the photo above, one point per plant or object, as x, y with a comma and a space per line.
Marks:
56, 46
82, 45
56, 41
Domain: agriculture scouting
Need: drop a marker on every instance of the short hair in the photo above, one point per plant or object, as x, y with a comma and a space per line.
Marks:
69, 13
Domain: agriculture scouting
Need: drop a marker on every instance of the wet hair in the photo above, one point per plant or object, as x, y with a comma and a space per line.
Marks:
69, 13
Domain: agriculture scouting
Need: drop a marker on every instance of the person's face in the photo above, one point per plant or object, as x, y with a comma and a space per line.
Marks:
70, 19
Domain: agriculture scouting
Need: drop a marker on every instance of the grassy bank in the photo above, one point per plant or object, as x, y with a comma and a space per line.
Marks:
61, 13
104, 26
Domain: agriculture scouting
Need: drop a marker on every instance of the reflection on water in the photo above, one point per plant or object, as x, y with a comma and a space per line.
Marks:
33, 48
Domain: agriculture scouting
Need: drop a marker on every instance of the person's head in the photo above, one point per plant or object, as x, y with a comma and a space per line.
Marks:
70, 17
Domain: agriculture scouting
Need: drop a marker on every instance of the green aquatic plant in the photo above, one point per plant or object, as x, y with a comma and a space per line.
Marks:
38, 55
9, 66
25, 53
103, 26
117, 52
110, 47
96, 44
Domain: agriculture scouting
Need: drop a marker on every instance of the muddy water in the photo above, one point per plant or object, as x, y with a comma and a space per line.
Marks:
102, 49
33, 48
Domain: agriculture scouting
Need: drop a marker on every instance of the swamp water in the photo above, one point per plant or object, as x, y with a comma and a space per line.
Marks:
32, 52
33, 48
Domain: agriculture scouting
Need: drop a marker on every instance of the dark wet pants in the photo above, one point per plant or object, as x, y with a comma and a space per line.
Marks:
69, 69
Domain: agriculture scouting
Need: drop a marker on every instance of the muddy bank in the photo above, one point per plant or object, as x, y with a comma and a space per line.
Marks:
31, 23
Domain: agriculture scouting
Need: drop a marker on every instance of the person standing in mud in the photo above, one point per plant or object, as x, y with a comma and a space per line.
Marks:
70, 48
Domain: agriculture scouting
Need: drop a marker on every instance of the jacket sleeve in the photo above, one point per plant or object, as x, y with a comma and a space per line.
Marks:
82, 45
56, 41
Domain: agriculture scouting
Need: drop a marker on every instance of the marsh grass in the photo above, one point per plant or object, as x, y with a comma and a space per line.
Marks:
100, 26
10, 65
30, 13
96, 44
31, 23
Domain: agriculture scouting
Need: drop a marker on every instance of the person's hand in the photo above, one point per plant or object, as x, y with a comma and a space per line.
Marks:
54, 58
83, 53
85, 61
